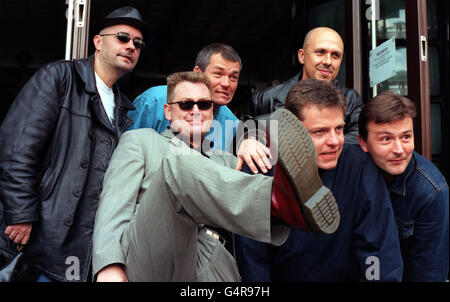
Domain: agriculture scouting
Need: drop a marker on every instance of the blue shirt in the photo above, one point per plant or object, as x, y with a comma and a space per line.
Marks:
149, 113
365, 246
420, 200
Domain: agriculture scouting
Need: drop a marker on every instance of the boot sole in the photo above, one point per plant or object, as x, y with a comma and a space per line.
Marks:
297, 158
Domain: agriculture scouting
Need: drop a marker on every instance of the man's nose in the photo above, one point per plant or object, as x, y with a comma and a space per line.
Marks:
327, 59
225, 81
130, 45
332, 138
398, 147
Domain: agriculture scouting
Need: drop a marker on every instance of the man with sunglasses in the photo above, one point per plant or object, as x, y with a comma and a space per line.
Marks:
55, 145
222, 64
154, 229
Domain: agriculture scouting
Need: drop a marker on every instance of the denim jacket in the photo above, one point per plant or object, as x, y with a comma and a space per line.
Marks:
420, 200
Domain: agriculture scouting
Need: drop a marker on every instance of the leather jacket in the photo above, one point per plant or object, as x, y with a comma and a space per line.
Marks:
273, 98
55, 146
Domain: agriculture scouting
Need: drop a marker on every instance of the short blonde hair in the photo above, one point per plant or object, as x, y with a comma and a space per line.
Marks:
185, 76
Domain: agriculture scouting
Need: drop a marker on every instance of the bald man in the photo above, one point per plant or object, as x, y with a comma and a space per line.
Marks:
321, 58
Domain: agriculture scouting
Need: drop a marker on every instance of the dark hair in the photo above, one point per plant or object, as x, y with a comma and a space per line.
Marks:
314, 92
387, 107
186, 76
227, 52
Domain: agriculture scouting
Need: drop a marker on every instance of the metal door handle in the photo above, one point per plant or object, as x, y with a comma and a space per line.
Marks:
80, 13
423, 48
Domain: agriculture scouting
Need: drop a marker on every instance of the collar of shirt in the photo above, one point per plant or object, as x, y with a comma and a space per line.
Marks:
398, 185
204, 151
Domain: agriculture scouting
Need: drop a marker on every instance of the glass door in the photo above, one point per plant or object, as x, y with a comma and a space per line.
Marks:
395, 50
391, 25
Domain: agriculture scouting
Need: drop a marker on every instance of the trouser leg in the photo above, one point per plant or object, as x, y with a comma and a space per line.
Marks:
161, 241
214, 262
220, 196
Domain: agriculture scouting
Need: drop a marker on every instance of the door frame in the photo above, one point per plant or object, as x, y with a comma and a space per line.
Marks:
419, 71
77, 39
417, 68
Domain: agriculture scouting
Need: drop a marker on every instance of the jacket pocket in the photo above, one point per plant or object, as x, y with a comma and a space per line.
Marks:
405, 228
46, 184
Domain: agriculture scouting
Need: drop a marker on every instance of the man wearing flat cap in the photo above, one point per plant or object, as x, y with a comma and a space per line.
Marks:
55, 145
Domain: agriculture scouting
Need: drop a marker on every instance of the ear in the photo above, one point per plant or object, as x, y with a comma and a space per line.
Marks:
197, 69
363, 144
168, 112
97, 42
301, 56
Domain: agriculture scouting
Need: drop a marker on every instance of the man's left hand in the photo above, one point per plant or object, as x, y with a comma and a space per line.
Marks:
252, 151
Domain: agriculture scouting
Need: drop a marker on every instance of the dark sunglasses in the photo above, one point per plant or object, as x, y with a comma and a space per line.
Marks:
188, 105
125, 38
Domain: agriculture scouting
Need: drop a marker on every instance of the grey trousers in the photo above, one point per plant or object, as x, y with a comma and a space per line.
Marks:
163, 241
214, 262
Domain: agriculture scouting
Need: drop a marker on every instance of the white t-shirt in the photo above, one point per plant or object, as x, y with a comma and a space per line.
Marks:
107, 97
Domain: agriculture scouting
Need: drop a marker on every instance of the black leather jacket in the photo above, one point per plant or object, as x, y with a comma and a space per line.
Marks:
273, 98
55, 145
